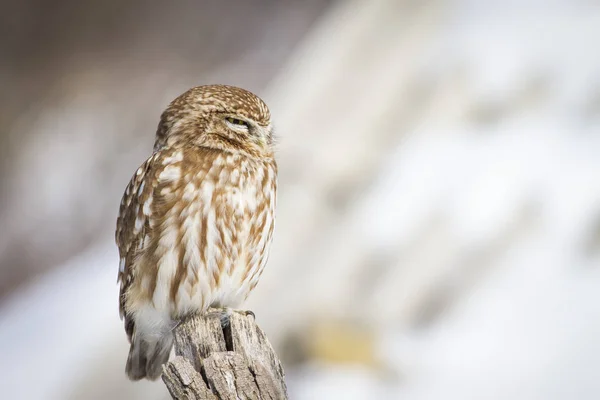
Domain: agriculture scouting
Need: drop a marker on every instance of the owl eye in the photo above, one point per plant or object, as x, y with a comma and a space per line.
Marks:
237, 122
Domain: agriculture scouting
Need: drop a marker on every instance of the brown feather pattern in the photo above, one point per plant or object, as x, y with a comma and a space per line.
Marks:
196, 220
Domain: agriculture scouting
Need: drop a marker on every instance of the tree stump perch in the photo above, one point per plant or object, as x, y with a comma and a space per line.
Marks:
221, 357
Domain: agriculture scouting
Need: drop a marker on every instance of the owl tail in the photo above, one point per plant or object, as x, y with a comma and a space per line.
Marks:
147, 357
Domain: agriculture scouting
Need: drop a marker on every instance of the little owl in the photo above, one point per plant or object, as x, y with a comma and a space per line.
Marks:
196, 220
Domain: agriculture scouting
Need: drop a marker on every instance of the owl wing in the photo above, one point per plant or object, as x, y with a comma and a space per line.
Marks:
132, 226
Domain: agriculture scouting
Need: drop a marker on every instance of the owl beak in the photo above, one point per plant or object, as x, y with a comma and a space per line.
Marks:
264, 133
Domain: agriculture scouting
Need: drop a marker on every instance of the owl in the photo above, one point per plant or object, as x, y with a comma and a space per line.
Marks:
196, 220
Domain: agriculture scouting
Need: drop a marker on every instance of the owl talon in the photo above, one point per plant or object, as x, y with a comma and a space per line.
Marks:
246, 313
226, 312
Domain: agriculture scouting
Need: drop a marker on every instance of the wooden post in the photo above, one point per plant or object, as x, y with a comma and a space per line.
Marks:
223, 356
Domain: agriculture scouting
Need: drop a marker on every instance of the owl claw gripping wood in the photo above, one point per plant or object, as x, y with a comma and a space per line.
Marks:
196, 220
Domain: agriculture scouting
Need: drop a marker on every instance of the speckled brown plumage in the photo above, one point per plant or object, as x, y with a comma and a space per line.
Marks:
196, 220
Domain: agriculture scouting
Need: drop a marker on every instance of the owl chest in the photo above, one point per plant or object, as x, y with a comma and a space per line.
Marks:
231, 218
236, 212
215, 238
234, 229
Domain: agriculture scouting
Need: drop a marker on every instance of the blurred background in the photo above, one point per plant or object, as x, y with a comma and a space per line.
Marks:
438, 230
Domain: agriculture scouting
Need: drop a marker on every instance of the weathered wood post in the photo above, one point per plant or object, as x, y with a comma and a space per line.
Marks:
223, 358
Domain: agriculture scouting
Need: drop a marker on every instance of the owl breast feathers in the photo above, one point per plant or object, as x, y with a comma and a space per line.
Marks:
196, 220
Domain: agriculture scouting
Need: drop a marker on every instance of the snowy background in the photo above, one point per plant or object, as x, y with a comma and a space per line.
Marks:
438, 227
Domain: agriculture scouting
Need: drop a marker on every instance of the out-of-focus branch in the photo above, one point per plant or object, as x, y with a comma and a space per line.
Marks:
223, 358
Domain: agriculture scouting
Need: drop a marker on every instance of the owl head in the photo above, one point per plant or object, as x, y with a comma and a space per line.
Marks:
217, 116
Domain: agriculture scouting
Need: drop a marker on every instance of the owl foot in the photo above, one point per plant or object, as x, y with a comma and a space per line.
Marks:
245, 313
226, 313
